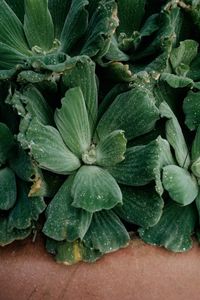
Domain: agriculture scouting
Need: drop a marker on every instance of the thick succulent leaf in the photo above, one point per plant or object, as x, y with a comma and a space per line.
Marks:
111, 149
8, 189
83, 75
175, 136
191, 108
196, 154
11, 32
141, 165
75, 25
133, 111
181, 186
141, 206
65, 222
100, 29
26, 210
38, 24
196, 145
20, 162
176, 81
49, 150
36, 105
70, 253
131, 13
73, 123
7, 237
95, 189
32, 77
6, 142
59, 10
10, 57
18, 8
174, 229
114, 53
106, 233
184, 54
194, 69
119, 72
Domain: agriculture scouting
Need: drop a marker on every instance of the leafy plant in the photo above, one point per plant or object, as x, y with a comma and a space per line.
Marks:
99, 124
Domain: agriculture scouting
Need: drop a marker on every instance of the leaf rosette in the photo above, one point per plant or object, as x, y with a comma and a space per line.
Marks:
105, 177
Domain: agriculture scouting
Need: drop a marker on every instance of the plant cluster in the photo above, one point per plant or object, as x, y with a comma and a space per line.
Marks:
99, 124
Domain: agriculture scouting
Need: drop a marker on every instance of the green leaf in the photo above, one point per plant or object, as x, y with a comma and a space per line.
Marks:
176, 81
70, 253
26, 210
181, 186
11, 32
20, 162
65, 222
131, 13
111, 149
10, 57
133, 111
72, 122
75, 25
106, 233
36, 105
59, 10
8, 190
95, 189
197, 202
174, 229
38, 24
141, 206
6, 142
141, 165
184, 54
195, 167
49, 150
7, 237
175, 136
83, 75
191, 108
100, 29
114, 53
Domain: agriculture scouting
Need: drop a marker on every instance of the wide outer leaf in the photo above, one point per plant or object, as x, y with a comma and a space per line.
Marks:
49, 150
6, 142
133, 111
176, 81
75, 25
38, 24
174, 229
106, 233
70, 253
175, 136
26, 210
131, 13
83, 75
73, 123
36, 105
111, 149
11, 32
7, 236
65, 222
101, 27
8, 189
181, 186
141, 206
10, 57
184, 54
191, 108
141, 165
95, 189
